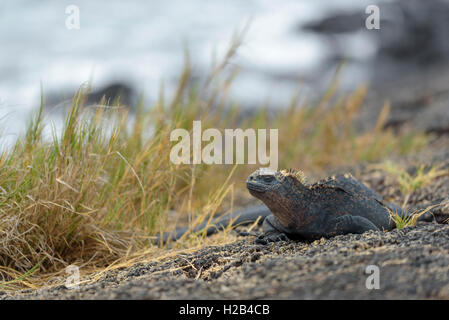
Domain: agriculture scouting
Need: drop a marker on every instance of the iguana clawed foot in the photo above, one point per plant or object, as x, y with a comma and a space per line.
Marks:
264, 238
273, 237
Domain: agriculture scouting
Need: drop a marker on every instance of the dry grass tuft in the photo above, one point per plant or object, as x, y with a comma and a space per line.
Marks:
410, 182
411, 219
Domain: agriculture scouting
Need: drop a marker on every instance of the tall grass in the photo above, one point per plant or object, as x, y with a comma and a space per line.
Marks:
101, 188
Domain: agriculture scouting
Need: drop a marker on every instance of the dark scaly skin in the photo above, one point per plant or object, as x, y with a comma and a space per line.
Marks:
335, 206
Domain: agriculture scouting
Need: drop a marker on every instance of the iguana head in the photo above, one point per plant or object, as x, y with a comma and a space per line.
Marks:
278, 190
265, 180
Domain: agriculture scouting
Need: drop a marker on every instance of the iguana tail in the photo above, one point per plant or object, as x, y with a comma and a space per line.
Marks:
245, 216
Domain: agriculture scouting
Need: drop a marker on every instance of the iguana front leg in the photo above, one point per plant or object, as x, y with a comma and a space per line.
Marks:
273, 231
349, 224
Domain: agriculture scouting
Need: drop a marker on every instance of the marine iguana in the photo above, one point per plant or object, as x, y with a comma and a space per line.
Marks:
334, 206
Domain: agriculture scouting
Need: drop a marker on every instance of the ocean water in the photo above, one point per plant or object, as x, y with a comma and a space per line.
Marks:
142, 43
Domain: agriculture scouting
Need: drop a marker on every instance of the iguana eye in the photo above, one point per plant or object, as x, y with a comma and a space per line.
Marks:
268, 178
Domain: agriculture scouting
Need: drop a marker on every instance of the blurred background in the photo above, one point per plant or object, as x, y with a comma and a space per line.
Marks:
133, 46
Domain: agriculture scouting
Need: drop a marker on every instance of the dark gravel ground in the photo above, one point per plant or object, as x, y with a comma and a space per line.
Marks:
413, 262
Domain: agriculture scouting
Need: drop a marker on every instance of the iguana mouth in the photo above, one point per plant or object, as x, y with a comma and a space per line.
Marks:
254, 186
